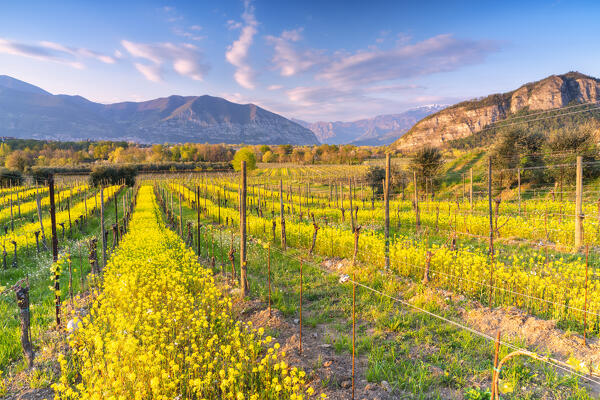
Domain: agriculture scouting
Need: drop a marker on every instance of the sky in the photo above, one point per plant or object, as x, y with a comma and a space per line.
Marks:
322, 60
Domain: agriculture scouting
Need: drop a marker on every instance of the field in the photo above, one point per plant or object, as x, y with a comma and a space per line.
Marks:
287, 290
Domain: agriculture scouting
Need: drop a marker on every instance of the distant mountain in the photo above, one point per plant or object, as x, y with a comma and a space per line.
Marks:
378, 131
470, 117
27, 111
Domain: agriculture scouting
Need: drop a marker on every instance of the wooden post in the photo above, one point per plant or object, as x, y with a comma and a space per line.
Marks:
180, 217
39, 212
579, 204
54, 249
198, 217
102, 227
471, 189
386, 197
117, 216
22, 294
519, 183
417, 217
491, 213
243, 272
269, 271
281, 215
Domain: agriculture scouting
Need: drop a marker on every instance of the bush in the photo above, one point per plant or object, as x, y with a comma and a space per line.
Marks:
245, 154
108, 175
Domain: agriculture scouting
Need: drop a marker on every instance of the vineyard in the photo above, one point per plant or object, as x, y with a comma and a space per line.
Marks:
302, 282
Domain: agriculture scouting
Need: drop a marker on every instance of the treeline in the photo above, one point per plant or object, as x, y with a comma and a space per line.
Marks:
24, 154
322, 154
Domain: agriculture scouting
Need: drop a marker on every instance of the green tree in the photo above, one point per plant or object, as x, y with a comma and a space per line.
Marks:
375, 177
427, 162
269, 157
244, 154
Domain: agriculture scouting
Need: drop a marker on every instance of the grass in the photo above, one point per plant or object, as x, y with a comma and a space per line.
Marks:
419, 356
36, 266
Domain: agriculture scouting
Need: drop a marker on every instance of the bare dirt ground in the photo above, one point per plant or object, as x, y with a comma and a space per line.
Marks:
328, 372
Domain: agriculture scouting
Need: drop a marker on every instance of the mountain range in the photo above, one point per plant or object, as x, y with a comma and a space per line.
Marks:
27, 111
377, 131
470, 117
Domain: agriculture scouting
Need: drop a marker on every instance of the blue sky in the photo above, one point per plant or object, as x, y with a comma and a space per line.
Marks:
321, 60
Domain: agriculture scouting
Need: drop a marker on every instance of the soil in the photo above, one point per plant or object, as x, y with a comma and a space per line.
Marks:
329, 373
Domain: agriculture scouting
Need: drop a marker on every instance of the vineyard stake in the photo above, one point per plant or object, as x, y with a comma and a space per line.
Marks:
386, 194
54, 249
471, 189
578, 205
117, 217
353, 328
300, 320
587, 250
180, 217
495, 371
283, 239
491, 230
198, 217
102, 226
243, 268
269, 271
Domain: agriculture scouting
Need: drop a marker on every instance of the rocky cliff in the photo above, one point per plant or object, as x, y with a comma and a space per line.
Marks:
469, 117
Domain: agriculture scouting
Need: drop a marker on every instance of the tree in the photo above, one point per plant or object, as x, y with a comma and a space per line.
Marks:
269, 157
244, 154
19, 160
517, 148
375, 177
426, 162
264, 148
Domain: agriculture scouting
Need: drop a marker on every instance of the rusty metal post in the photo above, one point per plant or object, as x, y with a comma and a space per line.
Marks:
587, 251
353, 330
269, 271
300, 320
495, 371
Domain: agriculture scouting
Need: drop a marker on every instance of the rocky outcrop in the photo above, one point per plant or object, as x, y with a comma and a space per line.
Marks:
29, 112
469, 117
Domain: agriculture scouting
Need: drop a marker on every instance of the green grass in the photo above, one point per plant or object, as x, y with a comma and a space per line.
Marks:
36, 266
421, 357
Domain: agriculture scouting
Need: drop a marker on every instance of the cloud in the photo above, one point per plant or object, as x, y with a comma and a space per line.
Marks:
237, 52
186, 59
79, 52
187, 35
287, 59
274, 87
54, 52
440, 53
150, 72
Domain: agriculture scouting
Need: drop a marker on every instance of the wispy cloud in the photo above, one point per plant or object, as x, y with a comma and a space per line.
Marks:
185, 59
440, 53
287, 59
53, 52
237, 52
